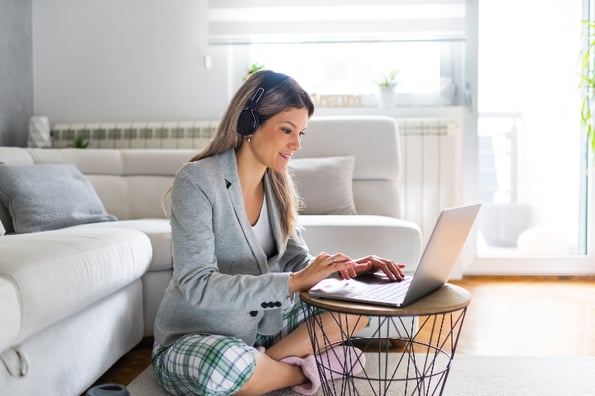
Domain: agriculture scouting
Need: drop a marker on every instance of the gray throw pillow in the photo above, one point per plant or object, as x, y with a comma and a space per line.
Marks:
49, 196
5, 219
324, 184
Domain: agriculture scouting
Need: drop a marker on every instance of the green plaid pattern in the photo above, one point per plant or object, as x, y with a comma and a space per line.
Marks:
215, 365
206, 365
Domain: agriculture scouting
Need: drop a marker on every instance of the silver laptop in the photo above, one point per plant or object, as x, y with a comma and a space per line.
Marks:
435, 266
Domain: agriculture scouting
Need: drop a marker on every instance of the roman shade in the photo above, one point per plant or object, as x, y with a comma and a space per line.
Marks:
270, 21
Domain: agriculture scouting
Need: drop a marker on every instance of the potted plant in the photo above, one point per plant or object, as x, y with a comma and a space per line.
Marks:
80, 142
387, 84
253, 68
389, 80
588, 83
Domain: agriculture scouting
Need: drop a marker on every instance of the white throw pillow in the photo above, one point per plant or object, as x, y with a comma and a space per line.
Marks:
324, 184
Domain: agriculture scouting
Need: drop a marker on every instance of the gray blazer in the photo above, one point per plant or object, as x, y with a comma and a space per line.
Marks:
222, 281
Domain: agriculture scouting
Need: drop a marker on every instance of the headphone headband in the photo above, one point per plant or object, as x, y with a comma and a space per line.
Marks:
248, 119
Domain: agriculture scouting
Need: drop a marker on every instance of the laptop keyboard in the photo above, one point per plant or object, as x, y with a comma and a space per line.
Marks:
393, 291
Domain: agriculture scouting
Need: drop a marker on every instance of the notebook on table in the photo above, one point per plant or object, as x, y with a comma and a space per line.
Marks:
435, 266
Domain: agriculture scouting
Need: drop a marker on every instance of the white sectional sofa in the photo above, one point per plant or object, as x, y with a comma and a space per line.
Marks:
75, 299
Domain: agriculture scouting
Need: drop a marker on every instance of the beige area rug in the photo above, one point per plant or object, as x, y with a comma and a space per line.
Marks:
470, 375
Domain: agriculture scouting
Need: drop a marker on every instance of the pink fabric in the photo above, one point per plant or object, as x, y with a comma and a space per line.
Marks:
339, 360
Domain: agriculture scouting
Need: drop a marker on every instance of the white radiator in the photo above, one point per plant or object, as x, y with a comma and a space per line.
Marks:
431, 155
430, 169
137, 135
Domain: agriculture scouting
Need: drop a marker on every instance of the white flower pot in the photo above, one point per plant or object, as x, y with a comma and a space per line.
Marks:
388, 98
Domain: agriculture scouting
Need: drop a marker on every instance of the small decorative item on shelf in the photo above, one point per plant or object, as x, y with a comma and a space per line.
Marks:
387, 84
253, 68
39, 132
337, 100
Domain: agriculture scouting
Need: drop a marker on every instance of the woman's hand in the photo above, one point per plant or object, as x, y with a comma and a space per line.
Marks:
322, 267
374, 263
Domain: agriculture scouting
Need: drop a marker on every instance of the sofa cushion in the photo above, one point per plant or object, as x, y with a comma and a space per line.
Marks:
130, 183
324, 184
49, 196
159, 233
58, 273
10, 312
362, 235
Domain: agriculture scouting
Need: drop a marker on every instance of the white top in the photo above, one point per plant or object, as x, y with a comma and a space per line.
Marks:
263, 231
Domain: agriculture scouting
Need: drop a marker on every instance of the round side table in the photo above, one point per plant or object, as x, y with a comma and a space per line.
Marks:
417, 363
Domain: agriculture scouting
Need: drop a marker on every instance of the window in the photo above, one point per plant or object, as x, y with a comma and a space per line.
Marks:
354, 68
344, 47
532, 172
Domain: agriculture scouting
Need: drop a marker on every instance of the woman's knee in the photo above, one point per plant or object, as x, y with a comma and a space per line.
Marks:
208, 365
227, 366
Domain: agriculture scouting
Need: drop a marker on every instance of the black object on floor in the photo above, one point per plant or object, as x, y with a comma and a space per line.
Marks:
108, 390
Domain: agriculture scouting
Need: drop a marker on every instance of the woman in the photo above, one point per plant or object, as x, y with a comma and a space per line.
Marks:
230, 321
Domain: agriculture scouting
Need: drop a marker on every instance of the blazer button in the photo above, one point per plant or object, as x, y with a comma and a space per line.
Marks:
253, 313
271, 304
278, 304
264, 305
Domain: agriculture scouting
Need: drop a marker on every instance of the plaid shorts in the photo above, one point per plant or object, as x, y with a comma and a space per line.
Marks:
213, 365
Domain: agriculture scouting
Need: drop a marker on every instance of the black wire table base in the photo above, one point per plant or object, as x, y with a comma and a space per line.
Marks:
417, 363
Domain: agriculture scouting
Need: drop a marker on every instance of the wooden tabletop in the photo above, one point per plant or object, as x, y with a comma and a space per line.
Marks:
446, 299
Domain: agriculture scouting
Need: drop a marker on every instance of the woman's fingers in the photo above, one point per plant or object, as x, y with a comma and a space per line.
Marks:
326, 264
344, 265
391, 269
320, 268
337, 263
349, 272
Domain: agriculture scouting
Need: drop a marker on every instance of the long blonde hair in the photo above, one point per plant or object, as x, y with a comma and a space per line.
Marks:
283, 96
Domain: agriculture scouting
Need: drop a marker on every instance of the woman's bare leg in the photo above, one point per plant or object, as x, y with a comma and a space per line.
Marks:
298, 342
271, 374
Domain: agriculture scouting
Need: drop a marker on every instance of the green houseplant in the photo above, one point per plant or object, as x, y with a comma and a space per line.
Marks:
253, 68
80, 142
388, 81
588, 83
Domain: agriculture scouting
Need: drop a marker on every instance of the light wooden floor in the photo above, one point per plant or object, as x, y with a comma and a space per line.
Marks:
529, 316
512, 316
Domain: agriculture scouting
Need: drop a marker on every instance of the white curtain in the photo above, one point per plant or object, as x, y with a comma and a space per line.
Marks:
279, 21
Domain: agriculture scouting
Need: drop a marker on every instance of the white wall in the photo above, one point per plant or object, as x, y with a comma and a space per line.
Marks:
133, 60
16, 81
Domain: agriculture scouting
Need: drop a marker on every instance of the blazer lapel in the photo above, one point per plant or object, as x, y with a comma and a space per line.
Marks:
234, 191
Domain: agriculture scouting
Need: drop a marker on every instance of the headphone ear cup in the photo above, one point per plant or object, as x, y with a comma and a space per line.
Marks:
247, 122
